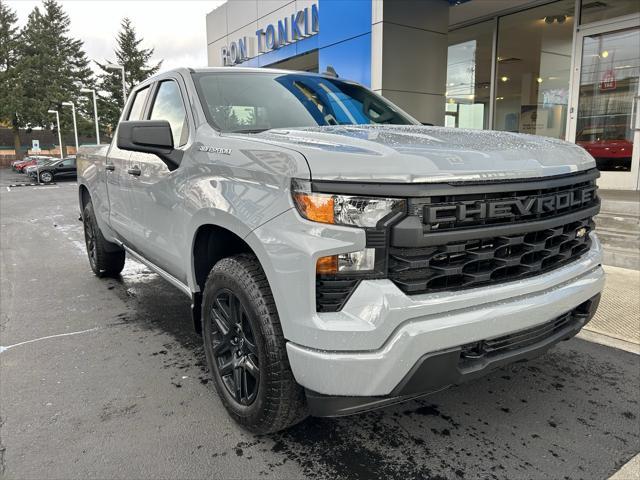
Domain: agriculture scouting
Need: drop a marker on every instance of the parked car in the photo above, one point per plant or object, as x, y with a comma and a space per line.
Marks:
27, 161
339, 256
38, 164
609, 145
64, 168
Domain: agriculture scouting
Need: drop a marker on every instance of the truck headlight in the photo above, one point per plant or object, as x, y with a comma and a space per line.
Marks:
347, 210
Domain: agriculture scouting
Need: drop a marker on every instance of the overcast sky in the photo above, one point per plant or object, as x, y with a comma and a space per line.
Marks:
176, 29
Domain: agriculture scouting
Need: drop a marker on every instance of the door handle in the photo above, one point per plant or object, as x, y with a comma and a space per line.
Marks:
134, 171
110, 168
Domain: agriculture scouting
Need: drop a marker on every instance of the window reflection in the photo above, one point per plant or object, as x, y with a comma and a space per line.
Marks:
608, 85
469, 76
533, 65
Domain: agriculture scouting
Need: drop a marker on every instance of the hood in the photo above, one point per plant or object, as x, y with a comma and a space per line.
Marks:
419, 154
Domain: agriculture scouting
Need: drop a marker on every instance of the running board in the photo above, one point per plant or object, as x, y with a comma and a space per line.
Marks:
167, 276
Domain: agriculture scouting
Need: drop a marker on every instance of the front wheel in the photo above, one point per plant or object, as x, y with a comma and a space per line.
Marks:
245, 348
46, 177
105, 258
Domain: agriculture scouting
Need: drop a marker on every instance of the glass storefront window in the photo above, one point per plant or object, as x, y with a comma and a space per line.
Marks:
608, 84
469, 76
595, 11
533, 67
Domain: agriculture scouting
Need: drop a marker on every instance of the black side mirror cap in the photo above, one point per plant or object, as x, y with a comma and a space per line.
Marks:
149, 136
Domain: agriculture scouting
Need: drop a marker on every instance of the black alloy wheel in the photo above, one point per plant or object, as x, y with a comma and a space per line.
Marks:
234, 347
90, 240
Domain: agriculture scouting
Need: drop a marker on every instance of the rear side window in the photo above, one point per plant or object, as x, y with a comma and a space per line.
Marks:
135, 113
168, 106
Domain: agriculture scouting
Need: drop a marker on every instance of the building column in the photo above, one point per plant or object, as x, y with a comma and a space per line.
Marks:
409, 55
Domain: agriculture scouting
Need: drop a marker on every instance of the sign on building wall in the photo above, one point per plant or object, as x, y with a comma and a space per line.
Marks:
301, 24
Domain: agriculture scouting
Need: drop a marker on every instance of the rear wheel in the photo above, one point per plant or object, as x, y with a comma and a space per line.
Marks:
105, 258
245, 348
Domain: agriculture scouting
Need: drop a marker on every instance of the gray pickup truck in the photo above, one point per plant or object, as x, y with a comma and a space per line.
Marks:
339, 256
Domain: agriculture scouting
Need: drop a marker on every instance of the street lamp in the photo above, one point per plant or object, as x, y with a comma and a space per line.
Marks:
95, 111
75, 128
58, 123
113, 66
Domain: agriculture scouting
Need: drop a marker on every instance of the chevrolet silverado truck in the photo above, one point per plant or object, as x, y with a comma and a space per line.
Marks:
340, 256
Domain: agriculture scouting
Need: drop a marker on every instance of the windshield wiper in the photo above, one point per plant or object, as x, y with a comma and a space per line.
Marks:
249, 130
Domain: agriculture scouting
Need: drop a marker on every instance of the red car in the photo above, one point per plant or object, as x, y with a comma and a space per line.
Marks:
609, 145
31, 160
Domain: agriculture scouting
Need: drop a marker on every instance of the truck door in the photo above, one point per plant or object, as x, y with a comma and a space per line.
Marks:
118, 177
157, 219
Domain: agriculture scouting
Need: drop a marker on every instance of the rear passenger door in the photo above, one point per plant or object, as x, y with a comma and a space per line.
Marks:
117, 166
156, 212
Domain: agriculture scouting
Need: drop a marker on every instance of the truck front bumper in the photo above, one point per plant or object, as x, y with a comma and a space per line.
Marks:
438, 370
432, 346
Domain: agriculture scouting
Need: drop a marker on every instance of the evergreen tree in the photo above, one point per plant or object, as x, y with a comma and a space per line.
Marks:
10, 92
135, 60
53, 68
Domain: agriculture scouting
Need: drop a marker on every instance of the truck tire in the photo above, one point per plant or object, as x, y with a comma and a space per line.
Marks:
106, 258
246, 350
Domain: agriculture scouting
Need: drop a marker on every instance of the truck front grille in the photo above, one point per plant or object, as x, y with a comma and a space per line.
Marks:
474, 263
429, 256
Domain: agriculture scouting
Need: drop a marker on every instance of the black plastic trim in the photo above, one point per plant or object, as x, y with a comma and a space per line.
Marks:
404, 190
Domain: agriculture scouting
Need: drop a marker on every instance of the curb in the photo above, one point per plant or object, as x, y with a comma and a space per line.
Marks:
603, 339
629, 470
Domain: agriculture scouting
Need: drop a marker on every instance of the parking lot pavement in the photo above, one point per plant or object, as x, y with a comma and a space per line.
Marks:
112, 384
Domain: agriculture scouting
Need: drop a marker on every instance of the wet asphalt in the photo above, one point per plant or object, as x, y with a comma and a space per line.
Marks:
125, 393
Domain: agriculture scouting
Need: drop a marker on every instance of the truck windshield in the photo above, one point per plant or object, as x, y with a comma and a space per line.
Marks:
254, 102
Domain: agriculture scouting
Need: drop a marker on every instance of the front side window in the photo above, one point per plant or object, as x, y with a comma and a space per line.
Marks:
168, 106
251, 102
135, 113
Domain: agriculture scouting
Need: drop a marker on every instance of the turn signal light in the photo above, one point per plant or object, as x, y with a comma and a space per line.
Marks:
314, 207
327, 265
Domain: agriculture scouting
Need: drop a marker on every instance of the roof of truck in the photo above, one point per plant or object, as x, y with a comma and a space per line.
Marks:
187, 70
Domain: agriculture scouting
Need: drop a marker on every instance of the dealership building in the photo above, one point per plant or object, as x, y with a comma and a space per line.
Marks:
567, 69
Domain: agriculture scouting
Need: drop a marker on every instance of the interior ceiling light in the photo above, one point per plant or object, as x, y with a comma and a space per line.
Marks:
604, 54
504, 78
549, 19
539, 80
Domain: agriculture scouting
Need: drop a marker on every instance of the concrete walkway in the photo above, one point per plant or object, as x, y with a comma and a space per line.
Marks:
619, 312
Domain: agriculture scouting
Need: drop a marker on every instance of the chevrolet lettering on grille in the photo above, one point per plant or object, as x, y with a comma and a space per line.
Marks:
468, 211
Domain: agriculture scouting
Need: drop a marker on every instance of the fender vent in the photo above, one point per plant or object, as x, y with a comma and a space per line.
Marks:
332, 293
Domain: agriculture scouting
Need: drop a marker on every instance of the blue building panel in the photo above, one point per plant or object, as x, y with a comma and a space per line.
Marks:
351, 59
343, 19
343, 41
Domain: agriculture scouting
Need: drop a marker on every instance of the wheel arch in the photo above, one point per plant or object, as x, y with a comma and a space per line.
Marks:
211, 242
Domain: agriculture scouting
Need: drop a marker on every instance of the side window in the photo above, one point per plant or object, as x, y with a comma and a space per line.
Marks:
168, 106
135, 113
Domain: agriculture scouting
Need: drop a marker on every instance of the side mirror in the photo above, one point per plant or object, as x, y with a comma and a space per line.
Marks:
149, 136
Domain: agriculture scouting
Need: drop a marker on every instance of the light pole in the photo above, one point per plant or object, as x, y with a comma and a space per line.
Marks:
75, 127
59, 136
95, 111
113, 66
